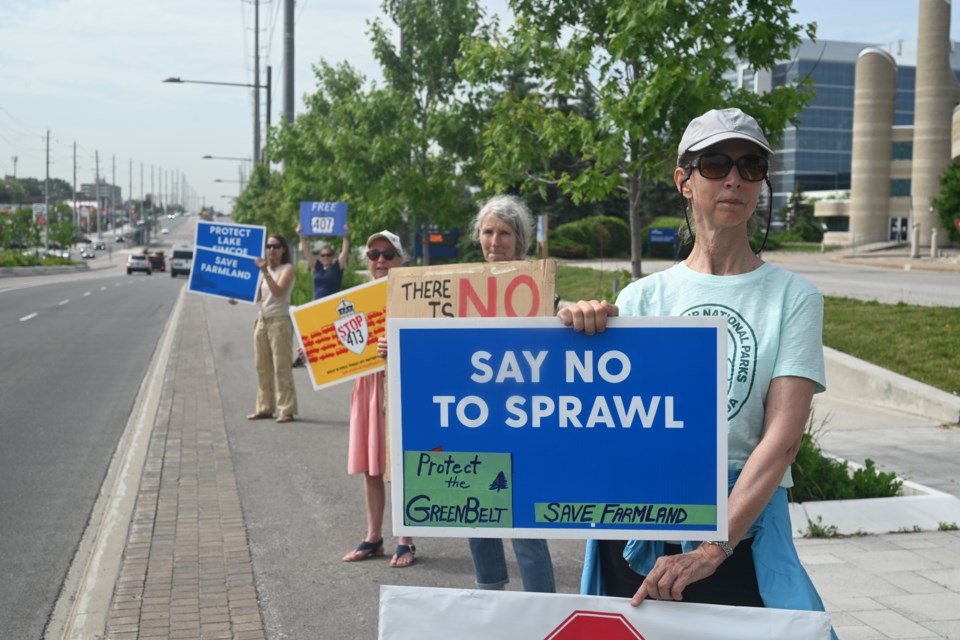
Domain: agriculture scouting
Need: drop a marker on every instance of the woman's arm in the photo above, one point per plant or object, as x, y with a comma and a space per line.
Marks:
284, 281
787, 409
344, 250
305, 248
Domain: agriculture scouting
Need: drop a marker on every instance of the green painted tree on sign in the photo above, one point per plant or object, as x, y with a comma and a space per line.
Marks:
499, 483
650, 65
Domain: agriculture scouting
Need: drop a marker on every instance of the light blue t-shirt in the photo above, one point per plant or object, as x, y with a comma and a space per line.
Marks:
774, 328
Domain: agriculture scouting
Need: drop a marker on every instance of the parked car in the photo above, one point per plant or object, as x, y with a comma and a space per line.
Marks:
164, 231
138, 262
87, 253
100, 245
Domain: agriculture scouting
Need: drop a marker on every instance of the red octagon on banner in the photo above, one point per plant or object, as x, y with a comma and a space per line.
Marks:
590, 625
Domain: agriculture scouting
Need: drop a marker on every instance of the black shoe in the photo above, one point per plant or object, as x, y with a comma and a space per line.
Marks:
298, 362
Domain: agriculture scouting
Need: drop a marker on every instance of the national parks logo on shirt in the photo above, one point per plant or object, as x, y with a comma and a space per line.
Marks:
741, 353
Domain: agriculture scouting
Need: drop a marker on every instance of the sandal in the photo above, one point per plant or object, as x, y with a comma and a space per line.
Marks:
402, 550
365, 550
285, 418
260, 415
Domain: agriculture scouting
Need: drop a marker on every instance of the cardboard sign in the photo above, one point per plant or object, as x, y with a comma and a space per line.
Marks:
224, 275
499, 289
323, 218
429, 613
524, 428
339, 333
239, 239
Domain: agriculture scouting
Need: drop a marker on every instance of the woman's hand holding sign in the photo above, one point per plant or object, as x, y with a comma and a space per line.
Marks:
589, 316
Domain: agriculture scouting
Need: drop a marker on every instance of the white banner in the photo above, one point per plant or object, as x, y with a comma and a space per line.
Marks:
422, 613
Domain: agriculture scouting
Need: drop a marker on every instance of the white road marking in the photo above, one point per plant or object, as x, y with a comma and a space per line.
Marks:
63, 302
29, 317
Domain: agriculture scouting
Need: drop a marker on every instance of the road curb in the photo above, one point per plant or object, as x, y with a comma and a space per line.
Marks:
855, 378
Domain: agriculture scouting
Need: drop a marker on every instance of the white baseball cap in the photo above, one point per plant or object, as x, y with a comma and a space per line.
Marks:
390, 237
718, 125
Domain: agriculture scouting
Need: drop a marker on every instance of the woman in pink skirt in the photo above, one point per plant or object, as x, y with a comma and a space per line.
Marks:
368, 439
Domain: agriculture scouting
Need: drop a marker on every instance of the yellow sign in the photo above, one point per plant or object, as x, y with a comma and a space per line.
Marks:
339, 333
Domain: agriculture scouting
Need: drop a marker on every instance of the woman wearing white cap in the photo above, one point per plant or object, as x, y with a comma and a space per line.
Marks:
721, 167
367, 452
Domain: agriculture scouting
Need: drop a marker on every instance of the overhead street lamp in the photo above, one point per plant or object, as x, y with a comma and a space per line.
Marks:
256, 86
209, 157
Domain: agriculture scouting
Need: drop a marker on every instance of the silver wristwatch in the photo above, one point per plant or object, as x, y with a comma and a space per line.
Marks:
723, 544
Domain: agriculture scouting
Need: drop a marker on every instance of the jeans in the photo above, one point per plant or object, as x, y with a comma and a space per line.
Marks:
533, 556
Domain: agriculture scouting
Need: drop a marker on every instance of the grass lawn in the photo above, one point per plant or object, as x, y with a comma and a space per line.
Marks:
922, 343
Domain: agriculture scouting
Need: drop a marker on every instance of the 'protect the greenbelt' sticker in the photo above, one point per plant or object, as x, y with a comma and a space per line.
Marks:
457, 489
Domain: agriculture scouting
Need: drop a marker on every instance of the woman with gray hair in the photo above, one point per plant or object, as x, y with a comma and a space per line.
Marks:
503, 226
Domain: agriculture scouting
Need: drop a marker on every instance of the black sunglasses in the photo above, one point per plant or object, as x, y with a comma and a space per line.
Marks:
326, 255
716, 166
274, 246
374, 254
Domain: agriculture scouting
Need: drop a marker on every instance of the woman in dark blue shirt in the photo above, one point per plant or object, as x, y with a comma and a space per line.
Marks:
327, 272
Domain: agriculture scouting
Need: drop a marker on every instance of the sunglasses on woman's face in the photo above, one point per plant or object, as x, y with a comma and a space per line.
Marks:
716, 166
374, 254
274, 246
326, 255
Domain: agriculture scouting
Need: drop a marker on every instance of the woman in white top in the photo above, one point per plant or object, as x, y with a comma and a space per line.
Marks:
273, 334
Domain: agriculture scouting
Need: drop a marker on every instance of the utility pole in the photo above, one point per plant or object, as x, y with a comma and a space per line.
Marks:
113, 187
14, 158
288, 60
256, 81
46, 186
130, 186
76, 210
96, 191
142, 213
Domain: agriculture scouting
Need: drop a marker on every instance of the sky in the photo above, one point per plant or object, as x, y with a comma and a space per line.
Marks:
90, 73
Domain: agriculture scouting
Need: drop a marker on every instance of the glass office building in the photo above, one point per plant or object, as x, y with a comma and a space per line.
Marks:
816, 154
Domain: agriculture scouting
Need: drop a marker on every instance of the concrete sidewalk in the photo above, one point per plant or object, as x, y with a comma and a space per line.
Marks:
202, 558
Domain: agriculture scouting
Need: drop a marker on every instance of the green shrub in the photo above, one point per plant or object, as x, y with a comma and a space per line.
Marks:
817, 477
593, 237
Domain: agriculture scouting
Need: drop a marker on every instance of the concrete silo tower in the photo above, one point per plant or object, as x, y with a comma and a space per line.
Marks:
937, 93
874, 103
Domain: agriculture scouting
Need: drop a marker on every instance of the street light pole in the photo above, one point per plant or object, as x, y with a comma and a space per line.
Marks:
256, 86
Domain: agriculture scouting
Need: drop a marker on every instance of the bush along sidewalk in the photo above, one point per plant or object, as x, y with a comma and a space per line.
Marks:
819, 477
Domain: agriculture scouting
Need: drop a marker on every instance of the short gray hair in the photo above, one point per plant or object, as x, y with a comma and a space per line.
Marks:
513, 211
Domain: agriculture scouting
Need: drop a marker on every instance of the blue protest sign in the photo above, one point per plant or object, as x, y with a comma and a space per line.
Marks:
323, 218
224, 275
524, 428
239, 239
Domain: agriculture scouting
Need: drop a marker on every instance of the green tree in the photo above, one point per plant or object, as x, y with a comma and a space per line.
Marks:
947, 203
11, 191
400, 154
651, 67
62, 232
801, 225
438, 125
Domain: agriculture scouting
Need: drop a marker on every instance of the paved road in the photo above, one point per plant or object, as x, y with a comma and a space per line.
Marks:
74, 352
